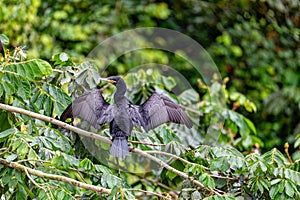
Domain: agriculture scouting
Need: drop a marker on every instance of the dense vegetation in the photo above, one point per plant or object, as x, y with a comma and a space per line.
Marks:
255, 153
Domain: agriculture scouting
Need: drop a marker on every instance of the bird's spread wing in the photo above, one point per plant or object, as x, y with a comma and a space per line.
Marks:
159, 109
91, 107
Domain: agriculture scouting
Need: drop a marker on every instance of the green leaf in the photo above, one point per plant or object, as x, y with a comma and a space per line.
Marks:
6, 133
44, 67
258, 183
58, 97
88, 76
220, 164
103, 169
263, 166
4, 39
275, 181
207, 181
59, 194
32, 156
265, 183
171, 175
86, 164
281, 186
289, 189
236, 50
11, 157
60, 162
275, 157
16, 84
274, 190
31, 69
109, 181
250, 125
8, 87
22, 149
24, 89
289, 174
21, 193
114, 190
7, 176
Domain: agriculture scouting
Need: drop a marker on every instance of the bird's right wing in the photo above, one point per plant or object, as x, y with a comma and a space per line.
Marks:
91, 107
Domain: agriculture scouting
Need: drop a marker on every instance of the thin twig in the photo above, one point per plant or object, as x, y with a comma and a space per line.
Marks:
36, 184
58, 70
190, 109
145, 143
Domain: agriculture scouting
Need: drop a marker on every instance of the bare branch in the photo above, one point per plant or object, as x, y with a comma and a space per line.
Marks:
56, 122
54, 177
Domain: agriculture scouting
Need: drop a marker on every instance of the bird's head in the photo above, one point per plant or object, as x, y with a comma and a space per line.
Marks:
119, 83
112, 79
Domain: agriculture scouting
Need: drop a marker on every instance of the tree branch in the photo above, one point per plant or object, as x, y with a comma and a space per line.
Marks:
171, 169
41, 174
56, 122
103, 139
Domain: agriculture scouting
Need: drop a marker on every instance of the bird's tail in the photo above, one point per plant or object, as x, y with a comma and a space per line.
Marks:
119, 147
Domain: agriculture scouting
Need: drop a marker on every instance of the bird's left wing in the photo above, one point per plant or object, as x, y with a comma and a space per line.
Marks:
159, 109
91, 107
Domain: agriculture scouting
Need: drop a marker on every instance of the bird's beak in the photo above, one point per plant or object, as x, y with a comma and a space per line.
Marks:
108, 80
111, 81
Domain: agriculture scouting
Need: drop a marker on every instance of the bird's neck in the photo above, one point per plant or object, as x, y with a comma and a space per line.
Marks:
121, 90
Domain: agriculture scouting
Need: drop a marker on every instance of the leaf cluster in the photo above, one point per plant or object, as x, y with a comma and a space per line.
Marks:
225, 169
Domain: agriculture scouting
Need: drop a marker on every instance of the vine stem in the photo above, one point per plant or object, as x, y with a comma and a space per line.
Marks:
98, 137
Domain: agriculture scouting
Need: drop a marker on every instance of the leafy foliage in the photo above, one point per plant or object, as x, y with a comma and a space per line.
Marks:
35, 85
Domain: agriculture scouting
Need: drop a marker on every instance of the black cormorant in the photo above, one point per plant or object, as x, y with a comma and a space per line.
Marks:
123, 115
